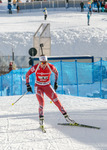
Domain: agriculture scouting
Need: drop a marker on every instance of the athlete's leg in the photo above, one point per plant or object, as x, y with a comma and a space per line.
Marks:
49, 91
40, 96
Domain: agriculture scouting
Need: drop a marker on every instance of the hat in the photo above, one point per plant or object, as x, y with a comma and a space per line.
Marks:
43, 58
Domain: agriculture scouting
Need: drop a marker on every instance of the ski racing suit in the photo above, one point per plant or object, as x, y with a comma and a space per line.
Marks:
42, 85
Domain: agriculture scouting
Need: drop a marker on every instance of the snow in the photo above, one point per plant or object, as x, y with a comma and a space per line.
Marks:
19, 126
70, 34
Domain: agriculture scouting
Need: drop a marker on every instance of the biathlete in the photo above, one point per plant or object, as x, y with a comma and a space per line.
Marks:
43, 71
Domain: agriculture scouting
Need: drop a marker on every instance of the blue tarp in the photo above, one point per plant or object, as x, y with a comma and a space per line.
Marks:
75, 78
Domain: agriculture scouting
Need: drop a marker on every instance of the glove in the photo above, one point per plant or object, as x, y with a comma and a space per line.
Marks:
29, 89
55, 86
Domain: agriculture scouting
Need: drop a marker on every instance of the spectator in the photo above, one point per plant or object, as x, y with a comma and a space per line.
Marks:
10, 66
88, 18
0, 1
102, 6
45, 13
82, 6
14, 3
18, 8
67, 3
19, 1
90, 9
98, 6
106, 6
10, 8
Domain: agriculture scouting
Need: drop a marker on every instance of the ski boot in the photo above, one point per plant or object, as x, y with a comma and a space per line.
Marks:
68, 119
41, 120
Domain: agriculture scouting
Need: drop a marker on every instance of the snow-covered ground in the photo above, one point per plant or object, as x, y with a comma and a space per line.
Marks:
19, 127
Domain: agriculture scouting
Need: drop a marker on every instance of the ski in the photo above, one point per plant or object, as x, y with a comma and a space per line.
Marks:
42, 128
79, 125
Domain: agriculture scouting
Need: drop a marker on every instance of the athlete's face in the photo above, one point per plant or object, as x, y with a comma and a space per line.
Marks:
43, 63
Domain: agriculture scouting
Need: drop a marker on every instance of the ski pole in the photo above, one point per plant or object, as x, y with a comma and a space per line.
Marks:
19, 98
41, 45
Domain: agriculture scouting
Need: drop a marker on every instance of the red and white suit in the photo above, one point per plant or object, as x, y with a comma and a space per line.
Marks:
42, 85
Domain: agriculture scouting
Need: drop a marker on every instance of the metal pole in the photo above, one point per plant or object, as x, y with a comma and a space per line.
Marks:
61, 76
77, 77
19, 98
12, 55
101, 78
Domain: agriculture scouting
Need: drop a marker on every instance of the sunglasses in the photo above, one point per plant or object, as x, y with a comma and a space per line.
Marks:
43, 62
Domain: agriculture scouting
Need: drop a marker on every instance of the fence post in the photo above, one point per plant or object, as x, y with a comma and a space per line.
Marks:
1, 85
61, 76
11, 82
76, 77
101, 78
93, 72
21, 81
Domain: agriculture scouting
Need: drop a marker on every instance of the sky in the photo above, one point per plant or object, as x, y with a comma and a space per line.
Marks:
70, 35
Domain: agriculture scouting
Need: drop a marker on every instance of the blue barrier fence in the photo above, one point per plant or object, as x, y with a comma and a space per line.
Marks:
75, 78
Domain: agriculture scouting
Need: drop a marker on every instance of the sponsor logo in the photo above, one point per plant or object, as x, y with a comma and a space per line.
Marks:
32, 69
43, 77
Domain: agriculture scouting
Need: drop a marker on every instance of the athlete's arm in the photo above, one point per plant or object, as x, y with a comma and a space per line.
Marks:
54, 70
32, 70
